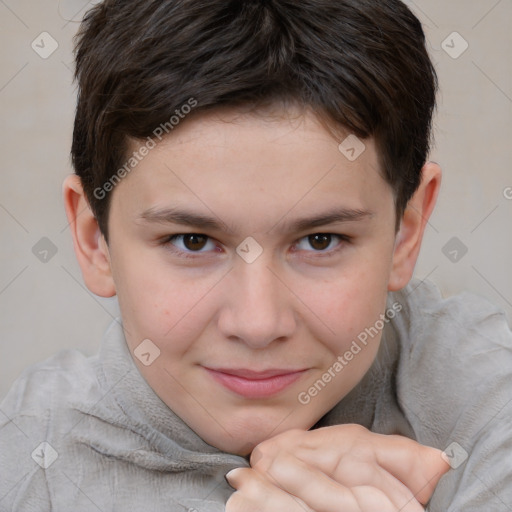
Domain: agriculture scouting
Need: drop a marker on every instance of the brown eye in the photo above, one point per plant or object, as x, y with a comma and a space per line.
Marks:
189, 243
194, 242
320, 241
322, 244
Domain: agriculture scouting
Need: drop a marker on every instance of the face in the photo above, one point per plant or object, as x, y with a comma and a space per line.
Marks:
252, 253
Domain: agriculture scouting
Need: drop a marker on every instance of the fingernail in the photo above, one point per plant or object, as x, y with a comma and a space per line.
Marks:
231, 474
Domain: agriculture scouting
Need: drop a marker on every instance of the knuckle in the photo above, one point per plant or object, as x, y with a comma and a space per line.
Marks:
274, 466
351, 471
370, 499
360, 437
260, 458
265, 452
367, 471
363, 451
356, 430
288, 437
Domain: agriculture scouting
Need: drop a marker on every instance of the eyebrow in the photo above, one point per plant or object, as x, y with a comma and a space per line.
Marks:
197, 220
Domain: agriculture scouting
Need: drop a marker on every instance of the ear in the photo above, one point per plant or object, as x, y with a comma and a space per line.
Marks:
90, 247
410, 235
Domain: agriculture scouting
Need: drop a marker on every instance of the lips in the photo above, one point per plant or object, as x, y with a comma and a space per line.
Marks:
255, 384
252, 375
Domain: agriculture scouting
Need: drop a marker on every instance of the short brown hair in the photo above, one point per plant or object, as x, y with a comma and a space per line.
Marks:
361, 64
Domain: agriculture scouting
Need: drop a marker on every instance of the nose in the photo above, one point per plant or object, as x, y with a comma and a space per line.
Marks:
259, 306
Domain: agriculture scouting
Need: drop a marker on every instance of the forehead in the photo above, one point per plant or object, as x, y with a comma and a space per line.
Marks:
240, 163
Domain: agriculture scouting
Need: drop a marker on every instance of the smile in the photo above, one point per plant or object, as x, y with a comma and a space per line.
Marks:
251, 384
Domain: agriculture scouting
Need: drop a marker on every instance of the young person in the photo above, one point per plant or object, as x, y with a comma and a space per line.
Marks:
252, 183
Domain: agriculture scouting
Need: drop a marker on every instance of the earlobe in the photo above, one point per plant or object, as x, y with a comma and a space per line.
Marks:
415, 218
90, 247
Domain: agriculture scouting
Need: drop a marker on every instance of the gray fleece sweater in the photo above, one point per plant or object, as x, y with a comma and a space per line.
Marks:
88, 433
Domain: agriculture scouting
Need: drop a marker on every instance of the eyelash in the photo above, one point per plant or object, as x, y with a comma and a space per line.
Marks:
193, 254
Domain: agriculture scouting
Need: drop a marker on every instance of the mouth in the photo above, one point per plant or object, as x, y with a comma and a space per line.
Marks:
252, 384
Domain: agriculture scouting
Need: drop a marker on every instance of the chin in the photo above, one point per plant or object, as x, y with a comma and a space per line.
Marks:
245, 431
238, 446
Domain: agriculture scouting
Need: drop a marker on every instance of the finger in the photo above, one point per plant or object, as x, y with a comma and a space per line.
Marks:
237, 476
371, 499
417, 466
353, 472
320, 492
255, 493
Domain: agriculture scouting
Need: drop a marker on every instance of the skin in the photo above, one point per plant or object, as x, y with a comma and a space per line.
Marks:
342, 467
299, 305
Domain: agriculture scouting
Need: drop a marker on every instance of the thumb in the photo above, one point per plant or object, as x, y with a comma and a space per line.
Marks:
434, 467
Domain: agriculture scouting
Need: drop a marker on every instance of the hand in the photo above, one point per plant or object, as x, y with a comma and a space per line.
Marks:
343, 467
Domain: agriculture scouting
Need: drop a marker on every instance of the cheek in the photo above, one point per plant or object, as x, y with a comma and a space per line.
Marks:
346, 301
155, 302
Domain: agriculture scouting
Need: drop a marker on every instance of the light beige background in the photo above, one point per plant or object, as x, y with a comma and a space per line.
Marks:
44, 307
